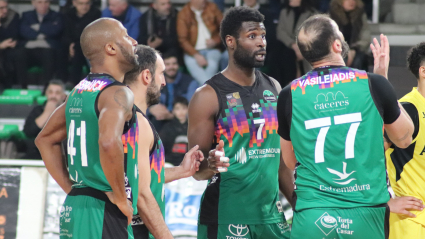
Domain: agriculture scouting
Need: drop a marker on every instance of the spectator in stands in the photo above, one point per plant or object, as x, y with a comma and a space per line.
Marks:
198, 27
158, 27
292, 64
40, 31
128, 15
352, 22
55, 94
76, 19
178, 85
9, 30
174, 133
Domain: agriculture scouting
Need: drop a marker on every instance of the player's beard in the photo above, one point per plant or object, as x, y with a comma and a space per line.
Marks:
152, 93
345, 49
242, 57
131, 59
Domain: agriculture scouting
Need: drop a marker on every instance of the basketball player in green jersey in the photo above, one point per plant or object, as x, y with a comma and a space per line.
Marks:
146, 81
93, 120
236, 109
331, 122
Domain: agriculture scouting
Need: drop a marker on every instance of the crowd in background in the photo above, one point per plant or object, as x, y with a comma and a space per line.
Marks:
188, 39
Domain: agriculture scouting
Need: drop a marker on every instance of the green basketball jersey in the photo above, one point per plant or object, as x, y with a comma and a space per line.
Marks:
85, 169
248, 192
157, 163
337, 135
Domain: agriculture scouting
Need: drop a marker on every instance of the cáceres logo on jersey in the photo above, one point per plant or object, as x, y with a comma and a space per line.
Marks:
269, 96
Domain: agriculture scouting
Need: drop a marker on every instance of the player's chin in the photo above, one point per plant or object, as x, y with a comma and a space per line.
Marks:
258, 64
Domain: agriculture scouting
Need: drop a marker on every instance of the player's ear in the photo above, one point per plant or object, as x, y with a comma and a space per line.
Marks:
422, 72
110, 49
337, 46
146, 76
230, 42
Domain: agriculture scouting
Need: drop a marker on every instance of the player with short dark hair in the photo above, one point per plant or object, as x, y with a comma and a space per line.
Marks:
236, 110
96, 114
146, 81
331, 122
406, 170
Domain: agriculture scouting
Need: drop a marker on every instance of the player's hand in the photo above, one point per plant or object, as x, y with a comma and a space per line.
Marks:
217, 161
402, 205
126, 209
381, 56
191, 161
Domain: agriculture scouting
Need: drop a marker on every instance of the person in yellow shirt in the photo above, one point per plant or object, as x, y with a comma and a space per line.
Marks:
406, 167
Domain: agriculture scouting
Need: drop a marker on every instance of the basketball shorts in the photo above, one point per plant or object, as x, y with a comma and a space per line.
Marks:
141, 232
278, 230
402, 227
87, 213
335, 223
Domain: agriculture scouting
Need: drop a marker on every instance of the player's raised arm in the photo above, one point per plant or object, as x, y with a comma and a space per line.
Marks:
49, 142
115, 107
147, 205
203, 109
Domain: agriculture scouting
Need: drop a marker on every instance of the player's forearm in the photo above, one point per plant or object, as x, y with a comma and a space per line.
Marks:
52, 158
112, 161
174, 173
286, 182
151, 215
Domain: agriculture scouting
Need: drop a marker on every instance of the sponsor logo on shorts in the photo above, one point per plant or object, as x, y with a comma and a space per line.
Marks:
238, 231
327, 223
269, 96
65, 214
284, 227
279, 207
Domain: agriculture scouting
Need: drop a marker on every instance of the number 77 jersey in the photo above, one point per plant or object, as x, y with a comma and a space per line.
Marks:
337, 135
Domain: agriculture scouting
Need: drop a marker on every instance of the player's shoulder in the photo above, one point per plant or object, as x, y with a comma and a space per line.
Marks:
204, 93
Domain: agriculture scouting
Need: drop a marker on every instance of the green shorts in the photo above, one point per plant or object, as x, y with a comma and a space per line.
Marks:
88, 213
353, 223
248, 231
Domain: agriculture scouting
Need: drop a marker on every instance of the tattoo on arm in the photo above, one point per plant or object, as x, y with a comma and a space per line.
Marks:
120, 97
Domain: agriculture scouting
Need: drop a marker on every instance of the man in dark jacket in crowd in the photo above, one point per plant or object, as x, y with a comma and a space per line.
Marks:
9, 30
40, 31
75, 20
55, 94
158, 27
178, 84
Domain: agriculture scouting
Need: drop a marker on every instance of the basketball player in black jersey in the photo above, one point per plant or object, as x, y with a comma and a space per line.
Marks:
239, 88
146, 81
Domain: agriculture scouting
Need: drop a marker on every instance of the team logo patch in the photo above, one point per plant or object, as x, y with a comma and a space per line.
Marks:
238, 230
269, 96
240, 156
233, 99
255, 108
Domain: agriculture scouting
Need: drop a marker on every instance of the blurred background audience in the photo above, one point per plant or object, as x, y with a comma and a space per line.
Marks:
352, 22
42, 44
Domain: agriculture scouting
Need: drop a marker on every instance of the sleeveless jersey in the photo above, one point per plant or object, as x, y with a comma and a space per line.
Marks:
406, 169
247, 123
157, 163
85, 169
337, 135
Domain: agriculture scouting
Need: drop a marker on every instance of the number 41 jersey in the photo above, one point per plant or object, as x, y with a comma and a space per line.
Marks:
247, 123
337, 135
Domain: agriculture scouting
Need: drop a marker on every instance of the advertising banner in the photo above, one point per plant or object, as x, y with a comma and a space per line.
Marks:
182, 201
9, 195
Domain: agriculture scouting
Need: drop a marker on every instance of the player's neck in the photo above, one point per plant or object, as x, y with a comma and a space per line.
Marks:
139, 97
240, 75
421, 87
115, 73
331, 61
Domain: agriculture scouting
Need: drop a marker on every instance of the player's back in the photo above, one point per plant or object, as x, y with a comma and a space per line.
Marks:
82, 126
336, 131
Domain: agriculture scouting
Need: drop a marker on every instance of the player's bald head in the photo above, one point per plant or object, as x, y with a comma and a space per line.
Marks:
96, 35
316, 36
